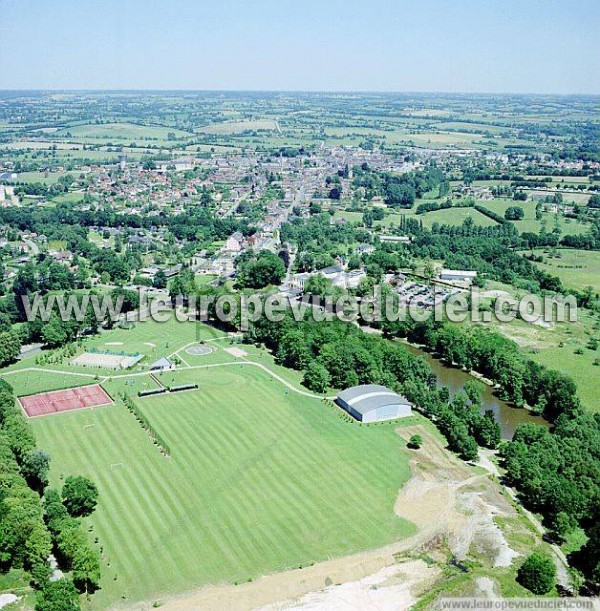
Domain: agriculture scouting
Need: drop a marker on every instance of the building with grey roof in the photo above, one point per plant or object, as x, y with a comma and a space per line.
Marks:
373, 403
163, 364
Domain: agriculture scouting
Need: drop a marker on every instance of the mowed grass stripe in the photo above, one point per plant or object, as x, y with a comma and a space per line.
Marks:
226, 444
259, 480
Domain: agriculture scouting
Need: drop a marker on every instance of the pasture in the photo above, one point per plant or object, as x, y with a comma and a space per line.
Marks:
238, 127
260, 479
580, 367
455, 216
577, 269
120, 131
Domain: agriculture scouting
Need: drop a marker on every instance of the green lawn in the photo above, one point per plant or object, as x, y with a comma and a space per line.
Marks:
448, 216
31, 382
260, 479
455, 216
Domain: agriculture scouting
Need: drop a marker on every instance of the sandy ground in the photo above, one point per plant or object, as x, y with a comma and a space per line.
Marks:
237, 352
446, 499
7, 599
394, 587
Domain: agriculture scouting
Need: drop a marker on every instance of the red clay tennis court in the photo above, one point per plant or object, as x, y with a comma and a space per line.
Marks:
66, 400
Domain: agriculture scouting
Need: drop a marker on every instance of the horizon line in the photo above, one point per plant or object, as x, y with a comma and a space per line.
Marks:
292, 90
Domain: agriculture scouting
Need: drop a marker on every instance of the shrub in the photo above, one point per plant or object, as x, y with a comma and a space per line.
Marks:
537, 574
415, 442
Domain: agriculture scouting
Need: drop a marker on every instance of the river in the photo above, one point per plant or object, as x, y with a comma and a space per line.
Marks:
507, 416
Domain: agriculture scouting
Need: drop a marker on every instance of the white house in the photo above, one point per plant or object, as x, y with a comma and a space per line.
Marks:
234, 242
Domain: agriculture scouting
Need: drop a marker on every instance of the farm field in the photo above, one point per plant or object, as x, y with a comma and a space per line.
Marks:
236, 127
562, 346
259, 480
580, 367
529, 223
120, 131
450, 216
577, 269
455, 216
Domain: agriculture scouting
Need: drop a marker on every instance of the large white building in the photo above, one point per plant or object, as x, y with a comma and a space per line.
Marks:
457, 275
373, 403
336, 274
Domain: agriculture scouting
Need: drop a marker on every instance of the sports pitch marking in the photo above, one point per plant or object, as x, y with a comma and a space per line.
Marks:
69, 399
198, 350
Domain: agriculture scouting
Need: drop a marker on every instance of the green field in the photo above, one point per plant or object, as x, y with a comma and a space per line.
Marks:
448, 216
576, 268
455, 216
260, 479
580, 367
121, 131
236, 127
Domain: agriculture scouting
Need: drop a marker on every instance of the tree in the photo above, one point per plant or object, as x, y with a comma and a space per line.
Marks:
415, 442
293, 350
400, 195
259, 271
318, 285
487, 431
80, 495
54, 511
86, 569
54, 332
59, 595
35, 469
316, 377
562, 524
335, 193
9, 347
594, 201
37, 549
537, 574
160, 280
429, 270
514, 213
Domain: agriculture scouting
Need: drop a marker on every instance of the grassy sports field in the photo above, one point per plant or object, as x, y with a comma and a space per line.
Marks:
260, 479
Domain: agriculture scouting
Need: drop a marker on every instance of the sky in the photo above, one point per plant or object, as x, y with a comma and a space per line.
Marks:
499, 46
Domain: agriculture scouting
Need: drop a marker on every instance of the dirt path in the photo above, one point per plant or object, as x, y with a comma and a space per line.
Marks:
281, 590
446, 499
560, 560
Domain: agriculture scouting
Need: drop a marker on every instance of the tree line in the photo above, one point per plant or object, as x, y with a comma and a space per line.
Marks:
336, 354
36, 521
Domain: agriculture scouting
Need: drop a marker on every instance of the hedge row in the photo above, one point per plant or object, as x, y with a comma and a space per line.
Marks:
145, 423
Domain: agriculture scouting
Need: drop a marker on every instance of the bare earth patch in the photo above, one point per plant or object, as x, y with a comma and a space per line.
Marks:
445, 499
237, 352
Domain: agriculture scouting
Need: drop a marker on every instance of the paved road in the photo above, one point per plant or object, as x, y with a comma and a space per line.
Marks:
30, 350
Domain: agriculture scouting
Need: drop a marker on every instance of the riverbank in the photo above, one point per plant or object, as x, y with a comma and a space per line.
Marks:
508, 416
